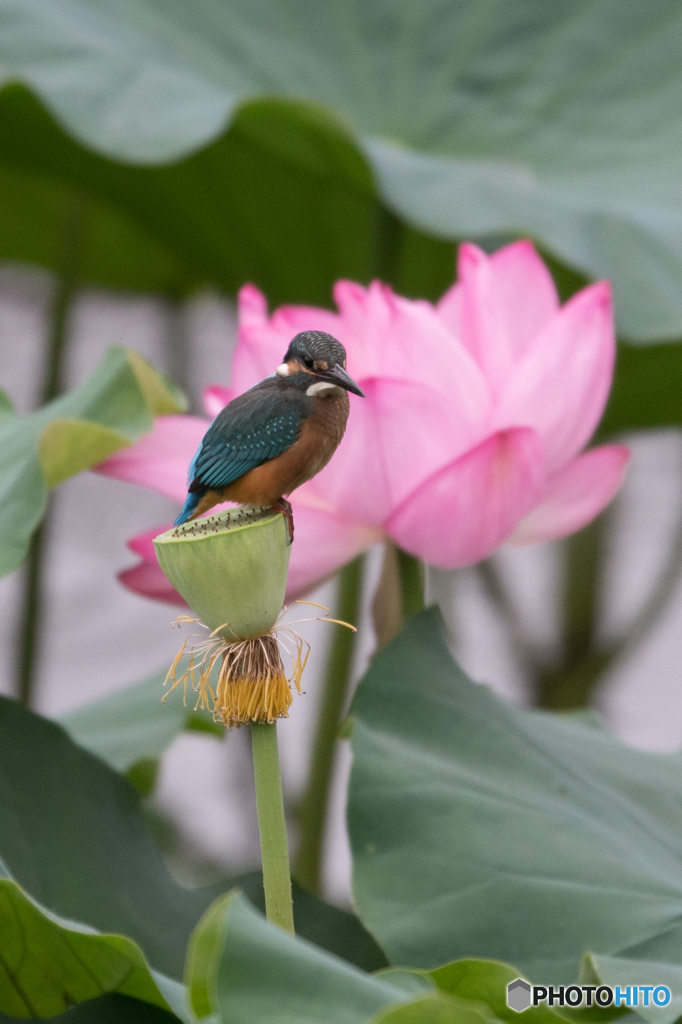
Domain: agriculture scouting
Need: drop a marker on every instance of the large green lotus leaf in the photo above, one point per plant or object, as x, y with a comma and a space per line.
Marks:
115, 250
73, 835
132, 724
48, 964
622, 971
247, 971
112, 408
480, 829
558, 120
336, 930
283, 199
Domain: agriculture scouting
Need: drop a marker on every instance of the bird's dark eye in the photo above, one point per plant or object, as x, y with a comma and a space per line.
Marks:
308, 363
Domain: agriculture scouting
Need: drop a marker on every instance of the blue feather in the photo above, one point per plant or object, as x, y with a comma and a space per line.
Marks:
191, 503
193, 465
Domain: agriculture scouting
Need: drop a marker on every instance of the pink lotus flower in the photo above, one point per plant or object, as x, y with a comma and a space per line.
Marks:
476, 414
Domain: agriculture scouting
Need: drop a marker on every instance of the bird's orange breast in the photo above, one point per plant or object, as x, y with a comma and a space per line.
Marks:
320, 436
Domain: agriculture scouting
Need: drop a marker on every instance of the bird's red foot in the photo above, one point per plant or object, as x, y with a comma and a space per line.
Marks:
284, 506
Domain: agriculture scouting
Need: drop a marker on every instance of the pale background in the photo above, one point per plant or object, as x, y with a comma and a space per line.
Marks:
99, 637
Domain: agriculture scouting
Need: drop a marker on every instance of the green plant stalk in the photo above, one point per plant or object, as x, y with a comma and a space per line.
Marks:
32, 599
178, 349
272, 826
570, 684
313, 811
411, 572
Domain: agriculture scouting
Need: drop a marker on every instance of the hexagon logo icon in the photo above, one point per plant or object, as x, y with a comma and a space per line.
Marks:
518, 995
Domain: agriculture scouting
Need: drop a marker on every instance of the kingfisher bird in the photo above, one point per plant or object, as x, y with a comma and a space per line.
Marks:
270, 440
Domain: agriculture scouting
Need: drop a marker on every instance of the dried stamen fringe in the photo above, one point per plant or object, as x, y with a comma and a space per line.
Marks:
252, 684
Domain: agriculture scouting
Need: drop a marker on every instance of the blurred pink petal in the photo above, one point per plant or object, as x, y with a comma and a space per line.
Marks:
463, 512
263, 341
216, 398
422, 350
147, 579
574, 495
143, 543
561, 385
475, 411
323, 542
159, 460
499, 304
397, 436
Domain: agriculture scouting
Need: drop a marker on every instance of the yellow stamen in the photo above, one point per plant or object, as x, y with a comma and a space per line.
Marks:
252, 684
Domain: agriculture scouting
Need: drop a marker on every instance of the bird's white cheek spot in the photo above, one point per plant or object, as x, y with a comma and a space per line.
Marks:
319, 388
282, 370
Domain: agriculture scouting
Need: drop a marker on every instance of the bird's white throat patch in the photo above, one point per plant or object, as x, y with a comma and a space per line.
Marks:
315, 390
282, 370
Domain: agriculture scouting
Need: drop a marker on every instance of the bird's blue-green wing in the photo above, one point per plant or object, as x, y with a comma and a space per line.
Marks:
254, 428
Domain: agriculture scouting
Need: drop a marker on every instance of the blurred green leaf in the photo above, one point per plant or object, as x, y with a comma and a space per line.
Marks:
48, 964
108, 411
433, 1009
647, 389
486, 981
6, 405
481, 829
73, 835
67, 447
284, 199
109, 1009
611, 970
410, 979
132, 725
477, 118
143, 774
116, 252
247, 971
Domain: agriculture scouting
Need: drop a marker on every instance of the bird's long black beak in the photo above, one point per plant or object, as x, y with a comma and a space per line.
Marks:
337, 375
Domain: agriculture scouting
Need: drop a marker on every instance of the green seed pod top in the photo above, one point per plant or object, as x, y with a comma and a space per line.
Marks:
231, 568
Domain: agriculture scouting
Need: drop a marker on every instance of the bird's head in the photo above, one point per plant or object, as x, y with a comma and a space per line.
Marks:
323, 358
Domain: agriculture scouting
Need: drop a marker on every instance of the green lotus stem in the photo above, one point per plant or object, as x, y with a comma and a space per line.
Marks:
400, 593
313, 811
411, 572
66, 286
272, 826
231, 568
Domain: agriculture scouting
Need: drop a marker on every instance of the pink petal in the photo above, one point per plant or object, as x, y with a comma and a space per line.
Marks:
499, 305
143, 543
216, 398
397, 436
389, 336
574, 495
159, 460
147, 579
464, 511
256, 354
323, 543
262, 341
561, 385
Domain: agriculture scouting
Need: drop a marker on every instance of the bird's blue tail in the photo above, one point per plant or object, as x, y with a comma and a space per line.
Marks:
193, 499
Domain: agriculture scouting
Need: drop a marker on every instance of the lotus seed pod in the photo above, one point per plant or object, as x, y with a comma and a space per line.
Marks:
231, 568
